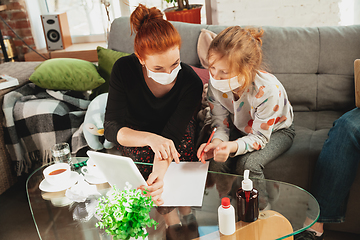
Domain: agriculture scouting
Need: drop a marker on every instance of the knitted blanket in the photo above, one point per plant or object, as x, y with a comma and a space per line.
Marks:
36, 119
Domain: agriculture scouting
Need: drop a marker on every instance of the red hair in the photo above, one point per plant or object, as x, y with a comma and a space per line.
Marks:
154, 34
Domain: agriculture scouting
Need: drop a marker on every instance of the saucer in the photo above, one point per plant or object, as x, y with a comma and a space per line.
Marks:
47, 187
94, 179
61, 202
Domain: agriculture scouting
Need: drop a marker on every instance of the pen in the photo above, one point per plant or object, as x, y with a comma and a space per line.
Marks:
208, 142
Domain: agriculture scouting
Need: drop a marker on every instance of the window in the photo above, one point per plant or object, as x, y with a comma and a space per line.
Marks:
86, 17
90, 17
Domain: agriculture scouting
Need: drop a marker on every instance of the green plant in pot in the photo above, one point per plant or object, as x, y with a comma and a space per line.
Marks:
182, 11
124, 214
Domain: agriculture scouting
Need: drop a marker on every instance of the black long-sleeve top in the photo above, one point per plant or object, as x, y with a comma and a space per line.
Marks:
132, 104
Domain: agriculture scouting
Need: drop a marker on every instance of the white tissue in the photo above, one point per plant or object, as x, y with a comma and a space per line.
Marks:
81, 191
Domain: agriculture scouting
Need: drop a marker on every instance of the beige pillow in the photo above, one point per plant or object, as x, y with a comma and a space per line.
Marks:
205, 38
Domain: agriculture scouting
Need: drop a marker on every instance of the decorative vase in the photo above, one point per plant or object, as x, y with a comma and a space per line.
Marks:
191, 15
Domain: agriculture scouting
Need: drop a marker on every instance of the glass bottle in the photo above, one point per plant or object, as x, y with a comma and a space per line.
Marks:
247, 200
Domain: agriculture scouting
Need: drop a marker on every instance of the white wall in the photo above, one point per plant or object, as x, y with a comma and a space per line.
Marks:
297, 13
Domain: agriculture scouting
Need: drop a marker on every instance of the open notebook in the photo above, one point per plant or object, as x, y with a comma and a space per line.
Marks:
184, 183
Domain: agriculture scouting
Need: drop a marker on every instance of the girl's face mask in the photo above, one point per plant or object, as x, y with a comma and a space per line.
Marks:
163, 78
225, 85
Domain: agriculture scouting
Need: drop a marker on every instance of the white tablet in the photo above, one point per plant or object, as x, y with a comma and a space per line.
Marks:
117, 169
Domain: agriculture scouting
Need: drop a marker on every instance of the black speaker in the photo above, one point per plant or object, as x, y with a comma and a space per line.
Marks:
56, 30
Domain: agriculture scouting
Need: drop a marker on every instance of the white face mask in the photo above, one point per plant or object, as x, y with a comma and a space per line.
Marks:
164, 78
225, 85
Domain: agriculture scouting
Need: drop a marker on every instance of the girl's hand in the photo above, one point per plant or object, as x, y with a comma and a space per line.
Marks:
208, 150
223, 150
155, 188
163, 148
155, 181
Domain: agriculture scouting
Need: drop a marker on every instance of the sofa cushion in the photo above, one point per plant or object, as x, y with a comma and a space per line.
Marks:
203, 74
339, 48
295, 166
301, 89
106, 60
67, 74
316, 120
189, 33
204, 41
281, 55
335, 92
120, 38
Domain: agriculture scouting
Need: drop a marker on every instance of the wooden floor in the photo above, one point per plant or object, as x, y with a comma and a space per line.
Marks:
16, 222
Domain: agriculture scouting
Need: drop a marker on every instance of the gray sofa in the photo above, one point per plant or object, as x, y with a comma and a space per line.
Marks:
316, 66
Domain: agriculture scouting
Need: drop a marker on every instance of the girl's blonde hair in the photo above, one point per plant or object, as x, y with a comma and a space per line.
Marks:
241, 47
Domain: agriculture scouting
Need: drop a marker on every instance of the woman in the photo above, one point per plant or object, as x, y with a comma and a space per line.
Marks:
152, 99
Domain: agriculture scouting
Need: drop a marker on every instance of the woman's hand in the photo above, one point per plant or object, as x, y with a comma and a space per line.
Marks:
208, 150
163, 148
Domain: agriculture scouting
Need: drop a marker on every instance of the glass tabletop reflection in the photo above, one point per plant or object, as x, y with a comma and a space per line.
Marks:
57, 217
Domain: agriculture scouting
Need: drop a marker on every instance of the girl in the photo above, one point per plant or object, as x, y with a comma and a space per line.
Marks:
152, 99
249, 107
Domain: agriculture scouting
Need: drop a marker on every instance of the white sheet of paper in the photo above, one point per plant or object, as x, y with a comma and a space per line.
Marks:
184, 184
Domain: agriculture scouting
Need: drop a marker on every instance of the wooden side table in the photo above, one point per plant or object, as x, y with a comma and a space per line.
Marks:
84, 51
270, 225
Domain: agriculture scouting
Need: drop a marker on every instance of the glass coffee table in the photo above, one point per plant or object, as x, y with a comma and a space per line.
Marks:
57, 217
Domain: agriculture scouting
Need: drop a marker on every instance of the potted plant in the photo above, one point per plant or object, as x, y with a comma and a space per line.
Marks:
183, 11
125, 214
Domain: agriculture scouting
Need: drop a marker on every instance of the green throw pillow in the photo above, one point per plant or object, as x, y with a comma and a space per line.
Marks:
106, 60
67, 74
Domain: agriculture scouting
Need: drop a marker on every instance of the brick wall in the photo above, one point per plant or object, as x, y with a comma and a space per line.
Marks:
296, 13
16, 16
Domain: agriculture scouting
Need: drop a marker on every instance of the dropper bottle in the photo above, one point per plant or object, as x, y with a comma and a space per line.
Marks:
247, 200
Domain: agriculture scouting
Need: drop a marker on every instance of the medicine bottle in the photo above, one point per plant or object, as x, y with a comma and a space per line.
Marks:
247, 200
226, 217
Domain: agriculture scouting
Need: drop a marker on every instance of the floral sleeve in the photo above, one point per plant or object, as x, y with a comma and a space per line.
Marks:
219, 117
270, 111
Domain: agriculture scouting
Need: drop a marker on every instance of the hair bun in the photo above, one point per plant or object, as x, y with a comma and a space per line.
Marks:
143, 15
256, 33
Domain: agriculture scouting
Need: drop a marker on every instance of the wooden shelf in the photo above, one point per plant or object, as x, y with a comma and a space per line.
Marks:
84, 51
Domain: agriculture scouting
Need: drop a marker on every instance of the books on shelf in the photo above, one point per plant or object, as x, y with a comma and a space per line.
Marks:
6, 81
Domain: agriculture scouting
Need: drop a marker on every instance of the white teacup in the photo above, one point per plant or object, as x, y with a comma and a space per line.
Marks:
92, 169
57, 173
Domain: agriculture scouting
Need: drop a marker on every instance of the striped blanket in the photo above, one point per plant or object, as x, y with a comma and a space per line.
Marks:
36, 119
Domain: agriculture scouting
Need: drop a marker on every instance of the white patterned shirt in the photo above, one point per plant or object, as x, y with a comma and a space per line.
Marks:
262, 109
